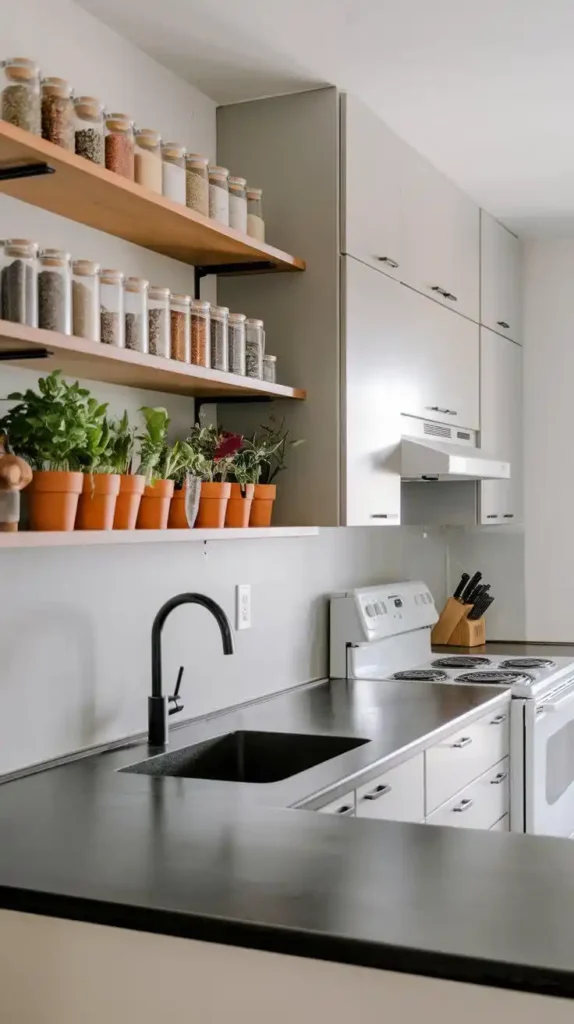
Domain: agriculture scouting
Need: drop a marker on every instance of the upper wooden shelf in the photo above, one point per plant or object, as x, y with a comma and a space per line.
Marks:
92, 195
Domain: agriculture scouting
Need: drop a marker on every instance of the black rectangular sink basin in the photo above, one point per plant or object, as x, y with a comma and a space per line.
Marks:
247, 757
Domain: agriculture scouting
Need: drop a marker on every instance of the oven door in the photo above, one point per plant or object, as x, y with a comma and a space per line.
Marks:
549, 763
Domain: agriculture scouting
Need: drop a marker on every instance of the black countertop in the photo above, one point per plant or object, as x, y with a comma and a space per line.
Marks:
216, 862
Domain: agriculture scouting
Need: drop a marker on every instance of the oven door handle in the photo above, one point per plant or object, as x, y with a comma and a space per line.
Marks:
561, 703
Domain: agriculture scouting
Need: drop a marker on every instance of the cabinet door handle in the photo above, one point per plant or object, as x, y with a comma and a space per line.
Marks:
508, 515
498, 720
438, 408
444, 293
345, 810
464, 741
503, 323
464, 805
389, 262
385, 515
492, 515
499, 778
377, 792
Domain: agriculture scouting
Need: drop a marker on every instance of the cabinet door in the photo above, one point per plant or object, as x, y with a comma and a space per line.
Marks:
441, 238
371, 372
500, 274
501, 426
372, 164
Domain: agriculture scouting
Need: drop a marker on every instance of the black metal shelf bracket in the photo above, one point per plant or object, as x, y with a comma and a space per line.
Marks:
9, 354
257, 267
15, 171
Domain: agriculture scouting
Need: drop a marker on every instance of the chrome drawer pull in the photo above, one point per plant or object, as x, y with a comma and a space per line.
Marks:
388, 261
464, 805
345, 809
377, 792
498, 720
465, 741
499, 778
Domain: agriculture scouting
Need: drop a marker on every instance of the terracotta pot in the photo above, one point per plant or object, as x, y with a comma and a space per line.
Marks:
262, 507
184, 505
53, 499
239, 505
128, 501
153, 512
97, 502
212, 506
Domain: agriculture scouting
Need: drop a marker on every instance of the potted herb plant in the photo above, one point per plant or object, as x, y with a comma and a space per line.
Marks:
121, 458
186, 475
213, 454
272, 445
245, 471
97, 503
161, 464
49, 428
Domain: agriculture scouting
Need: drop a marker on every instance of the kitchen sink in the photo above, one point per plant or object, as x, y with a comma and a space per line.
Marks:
247, 757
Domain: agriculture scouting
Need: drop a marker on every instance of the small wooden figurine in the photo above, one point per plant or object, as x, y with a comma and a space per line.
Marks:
15, 474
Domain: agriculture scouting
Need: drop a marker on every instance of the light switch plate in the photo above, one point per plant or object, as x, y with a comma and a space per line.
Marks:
243, 606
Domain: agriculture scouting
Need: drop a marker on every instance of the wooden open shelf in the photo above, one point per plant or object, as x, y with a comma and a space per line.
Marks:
89, 538
92, 360
91, 195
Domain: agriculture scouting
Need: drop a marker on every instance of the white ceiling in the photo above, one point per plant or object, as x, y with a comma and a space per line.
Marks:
484, 88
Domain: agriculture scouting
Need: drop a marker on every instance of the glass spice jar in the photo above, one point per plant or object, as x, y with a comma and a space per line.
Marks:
219, 194
119, 145
270, 369
159, 341
219, 340
147, 159
173, 171
255, 222
58, 113
112, 320
21, 94
197, 183
236, 342
200, 345
238, 204
180, 328
19, 281
254, 348
89, 129
55, 291
86, 299
135, 309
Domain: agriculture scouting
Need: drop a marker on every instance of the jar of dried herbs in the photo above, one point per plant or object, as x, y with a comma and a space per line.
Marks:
254, 347
173, 171
119, 145
112, 320
197, 183
21, 94
86, 299
89, 129
255, 222
159, 341
55, 291
200, 346
147, 159
236, 342
238, 204
180, 328
135, 307
19, 282
219, 194
270, 369
219, 341
58, 113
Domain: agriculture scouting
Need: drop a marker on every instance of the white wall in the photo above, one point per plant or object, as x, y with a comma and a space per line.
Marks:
76, 669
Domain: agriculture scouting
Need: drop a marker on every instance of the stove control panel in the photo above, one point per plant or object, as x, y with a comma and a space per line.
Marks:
372, 613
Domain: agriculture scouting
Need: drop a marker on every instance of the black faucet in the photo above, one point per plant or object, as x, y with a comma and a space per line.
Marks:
158, 704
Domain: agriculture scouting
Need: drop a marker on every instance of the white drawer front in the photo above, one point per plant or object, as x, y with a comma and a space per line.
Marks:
503, 825
397, 795
457, 760
480, 805
344, 806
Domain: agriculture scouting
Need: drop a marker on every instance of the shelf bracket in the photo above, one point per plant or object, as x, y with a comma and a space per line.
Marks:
257, 267
227, 400
12, 173
10, 354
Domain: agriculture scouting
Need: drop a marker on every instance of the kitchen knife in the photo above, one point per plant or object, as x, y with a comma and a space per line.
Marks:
480, 608
470, 587
463, 581
478, 592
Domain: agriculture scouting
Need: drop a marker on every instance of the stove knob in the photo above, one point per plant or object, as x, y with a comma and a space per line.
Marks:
370, 610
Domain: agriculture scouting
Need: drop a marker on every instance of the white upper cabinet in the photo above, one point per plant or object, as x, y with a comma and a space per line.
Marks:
441, 238
500, 255
500, 501
372, 170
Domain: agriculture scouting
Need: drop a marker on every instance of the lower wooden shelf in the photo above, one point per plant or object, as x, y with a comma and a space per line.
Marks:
88, 538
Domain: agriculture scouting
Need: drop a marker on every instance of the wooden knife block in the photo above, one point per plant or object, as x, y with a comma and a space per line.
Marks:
454, 629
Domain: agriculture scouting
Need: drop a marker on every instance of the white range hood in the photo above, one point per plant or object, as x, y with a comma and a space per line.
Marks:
436, 452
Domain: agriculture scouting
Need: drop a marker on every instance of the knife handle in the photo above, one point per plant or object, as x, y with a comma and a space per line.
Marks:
463, 581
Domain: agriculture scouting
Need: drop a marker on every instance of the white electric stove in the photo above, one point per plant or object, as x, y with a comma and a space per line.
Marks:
384, 632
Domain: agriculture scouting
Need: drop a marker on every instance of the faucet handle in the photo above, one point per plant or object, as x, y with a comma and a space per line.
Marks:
175, 702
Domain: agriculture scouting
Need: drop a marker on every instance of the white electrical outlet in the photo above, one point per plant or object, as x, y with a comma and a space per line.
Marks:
243, 606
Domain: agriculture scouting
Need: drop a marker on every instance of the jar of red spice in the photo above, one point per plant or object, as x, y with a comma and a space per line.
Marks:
120, 145
200, 339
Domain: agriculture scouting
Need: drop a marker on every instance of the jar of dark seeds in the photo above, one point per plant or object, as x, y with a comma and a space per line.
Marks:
119, 145
55, 291
159, 341
270, 369
112, 320
21, 94
236, 342
58, 112
200, 344
135, 307
219, 343
19, 282
89, 128
180, 328
254, 347
86, 299
219, 194
197, 183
